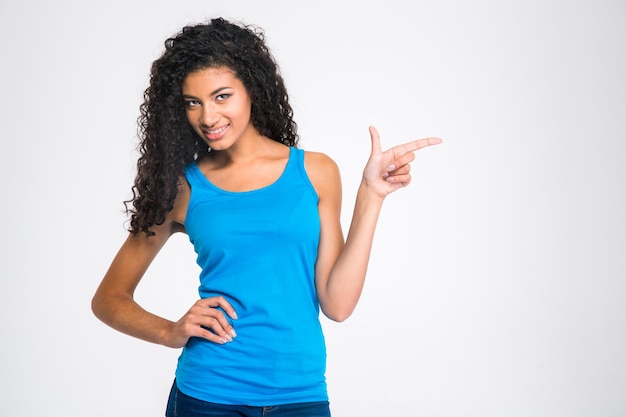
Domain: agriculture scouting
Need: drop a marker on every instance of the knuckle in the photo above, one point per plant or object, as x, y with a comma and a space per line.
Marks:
189, 329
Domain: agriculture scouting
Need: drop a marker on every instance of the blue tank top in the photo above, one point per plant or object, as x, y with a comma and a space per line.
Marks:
258, 249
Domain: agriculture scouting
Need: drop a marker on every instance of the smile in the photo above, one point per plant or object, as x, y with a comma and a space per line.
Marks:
216, 133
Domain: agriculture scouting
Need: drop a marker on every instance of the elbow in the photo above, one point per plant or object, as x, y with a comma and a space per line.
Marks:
337, 309
339, 319
96, 306
338, 315
101, 306
109, 306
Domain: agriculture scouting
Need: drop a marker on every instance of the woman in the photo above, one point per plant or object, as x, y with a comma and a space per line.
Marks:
219, 161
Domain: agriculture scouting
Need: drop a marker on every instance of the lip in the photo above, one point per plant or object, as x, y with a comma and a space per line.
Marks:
216, 134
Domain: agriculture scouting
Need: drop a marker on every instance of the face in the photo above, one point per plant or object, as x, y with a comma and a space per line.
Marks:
218, 107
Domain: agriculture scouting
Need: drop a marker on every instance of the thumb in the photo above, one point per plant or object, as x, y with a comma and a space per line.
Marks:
375, 140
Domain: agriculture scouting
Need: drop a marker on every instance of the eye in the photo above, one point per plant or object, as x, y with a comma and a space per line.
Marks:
191, 103
222, 97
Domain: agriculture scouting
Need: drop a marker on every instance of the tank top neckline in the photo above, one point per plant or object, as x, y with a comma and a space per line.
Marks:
206, 181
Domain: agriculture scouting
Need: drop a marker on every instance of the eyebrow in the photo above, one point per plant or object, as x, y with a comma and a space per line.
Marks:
214, 92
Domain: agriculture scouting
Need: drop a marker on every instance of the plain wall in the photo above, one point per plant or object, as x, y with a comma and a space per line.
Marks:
497, 281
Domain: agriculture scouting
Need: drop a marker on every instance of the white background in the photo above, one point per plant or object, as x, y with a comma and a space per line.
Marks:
497, 284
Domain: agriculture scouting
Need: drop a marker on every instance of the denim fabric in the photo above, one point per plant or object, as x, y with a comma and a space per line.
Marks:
181, 405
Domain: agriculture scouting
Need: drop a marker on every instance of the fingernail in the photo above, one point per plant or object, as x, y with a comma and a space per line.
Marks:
385, 176
391, 167
233, 333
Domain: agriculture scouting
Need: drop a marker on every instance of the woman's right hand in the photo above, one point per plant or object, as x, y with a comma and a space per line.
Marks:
205, 319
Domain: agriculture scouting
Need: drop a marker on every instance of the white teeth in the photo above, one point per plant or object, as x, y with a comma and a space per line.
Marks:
213, 132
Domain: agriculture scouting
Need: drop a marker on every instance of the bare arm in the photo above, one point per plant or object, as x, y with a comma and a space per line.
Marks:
114, 304
341, 268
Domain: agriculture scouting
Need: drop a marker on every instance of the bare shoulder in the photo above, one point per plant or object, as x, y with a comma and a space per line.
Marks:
317, 162
322, 171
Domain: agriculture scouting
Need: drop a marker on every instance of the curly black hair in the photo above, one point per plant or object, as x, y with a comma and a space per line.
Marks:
167, 141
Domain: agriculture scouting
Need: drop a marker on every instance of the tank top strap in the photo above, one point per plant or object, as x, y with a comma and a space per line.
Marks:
193, 175
296, 171
295, 161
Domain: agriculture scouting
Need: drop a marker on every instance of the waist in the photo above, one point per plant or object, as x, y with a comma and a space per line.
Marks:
267, 363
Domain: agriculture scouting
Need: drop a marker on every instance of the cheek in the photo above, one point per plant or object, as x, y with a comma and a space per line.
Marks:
247, 111
190, 118
194, 125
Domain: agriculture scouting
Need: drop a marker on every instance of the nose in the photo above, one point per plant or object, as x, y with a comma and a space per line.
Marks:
209, 115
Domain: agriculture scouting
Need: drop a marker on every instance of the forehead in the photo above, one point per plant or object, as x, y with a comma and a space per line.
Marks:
211, 78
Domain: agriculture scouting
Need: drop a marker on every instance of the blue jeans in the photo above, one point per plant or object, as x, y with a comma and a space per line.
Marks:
181, 405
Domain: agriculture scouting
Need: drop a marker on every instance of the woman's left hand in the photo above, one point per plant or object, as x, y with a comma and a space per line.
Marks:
387, 171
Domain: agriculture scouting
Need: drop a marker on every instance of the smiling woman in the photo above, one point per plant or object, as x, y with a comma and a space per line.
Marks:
218, 106
219, 161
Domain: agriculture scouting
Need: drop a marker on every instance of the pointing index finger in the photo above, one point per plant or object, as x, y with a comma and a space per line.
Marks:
416, 145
